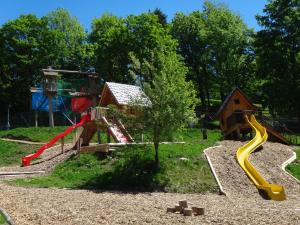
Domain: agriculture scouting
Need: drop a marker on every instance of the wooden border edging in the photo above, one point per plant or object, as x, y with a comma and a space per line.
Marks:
7, 217
15, 173
22, 141
213, 170
287, 162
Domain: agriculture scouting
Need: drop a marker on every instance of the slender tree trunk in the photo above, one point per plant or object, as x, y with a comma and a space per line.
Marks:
156, 154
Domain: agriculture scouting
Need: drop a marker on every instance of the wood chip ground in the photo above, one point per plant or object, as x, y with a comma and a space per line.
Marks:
243, 205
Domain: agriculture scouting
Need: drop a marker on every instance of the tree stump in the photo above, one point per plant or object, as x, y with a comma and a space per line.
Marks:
178, 208
183, 203
171, 209
198, 211
187, 211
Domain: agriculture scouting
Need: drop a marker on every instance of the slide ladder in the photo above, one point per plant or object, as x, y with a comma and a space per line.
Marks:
118, 131
274, 191
27, 159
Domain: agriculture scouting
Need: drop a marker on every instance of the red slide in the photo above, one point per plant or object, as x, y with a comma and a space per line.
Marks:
27, 159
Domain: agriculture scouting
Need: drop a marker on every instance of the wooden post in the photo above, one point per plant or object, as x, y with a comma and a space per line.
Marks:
79, 145
50, 104
36, 118
62, 144
108, 135
142, 137
98, 134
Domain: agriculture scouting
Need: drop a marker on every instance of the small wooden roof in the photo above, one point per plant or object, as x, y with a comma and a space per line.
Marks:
230, 96
124, 94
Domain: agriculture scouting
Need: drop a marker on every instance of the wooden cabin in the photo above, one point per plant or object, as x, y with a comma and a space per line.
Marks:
231, 114
124, 96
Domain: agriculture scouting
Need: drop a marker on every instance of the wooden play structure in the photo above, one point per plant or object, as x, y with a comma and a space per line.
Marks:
232, 113
96, 119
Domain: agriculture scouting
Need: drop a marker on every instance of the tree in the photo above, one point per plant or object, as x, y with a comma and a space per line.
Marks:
73, 51
277, 47
110, 37
115, 38
162, 18
22, 57
173, 99
216, 46
190, 31
230, 44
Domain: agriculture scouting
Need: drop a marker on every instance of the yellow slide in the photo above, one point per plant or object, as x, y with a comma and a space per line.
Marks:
274, 191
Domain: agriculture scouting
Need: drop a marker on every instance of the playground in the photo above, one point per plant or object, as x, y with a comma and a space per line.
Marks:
64, 180
140, 117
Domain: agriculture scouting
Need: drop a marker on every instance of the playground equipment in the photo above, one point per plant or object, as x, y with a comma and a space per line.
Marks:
27, 159
274, 191
58, 90
233, 123
89, 124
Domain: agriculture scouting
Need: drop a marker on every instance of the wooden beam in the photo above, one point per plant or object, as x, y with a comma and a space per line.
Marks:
95, 148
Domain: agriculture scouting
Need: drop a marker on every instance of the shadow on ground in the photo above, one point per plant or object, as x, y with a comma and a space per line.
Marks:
132, 174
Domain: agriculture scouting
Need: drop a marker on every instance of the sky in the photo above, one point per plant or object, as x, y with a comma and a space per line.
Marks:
87, 10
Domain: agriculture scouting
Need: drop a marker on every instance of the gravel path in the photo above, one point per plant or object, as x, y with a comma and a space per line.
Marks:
47, 162
60, 206
243, 205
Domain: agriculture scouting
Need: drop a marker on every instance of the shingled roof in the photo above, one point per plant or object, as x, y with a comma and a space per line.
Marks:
223, 106
125, 94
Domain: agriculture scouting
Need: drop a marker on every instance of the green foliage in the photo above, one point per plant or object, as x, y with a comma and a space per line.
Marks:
29, 44
117, 38
168, 90
132, 168
278, 56
73, 51
294, 168
216, 45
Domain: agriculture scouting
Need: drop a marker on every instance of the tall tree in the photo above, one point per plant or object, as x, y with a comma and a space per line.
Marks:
162, 18
216, 45
73, 50
115, 38
110, 37
278, 55
23, 57
172, 99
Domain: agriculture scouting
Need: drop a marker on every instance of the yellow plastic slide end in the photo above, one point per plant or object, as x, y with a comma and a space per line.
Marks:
274, 191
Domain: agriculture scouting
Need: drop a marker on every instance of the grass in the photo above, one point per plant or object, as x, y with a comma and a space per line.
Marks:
39, 134
294, 168
2, 219
11, 152
133, 168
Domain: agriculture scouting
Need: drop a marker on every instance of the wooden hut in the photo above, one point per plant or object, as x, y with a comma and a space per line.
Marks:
231, 114
124, 96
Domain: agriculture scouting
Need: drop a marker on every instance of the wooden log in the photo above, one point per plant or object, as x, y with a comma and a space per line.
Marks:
187, 211
183, 203
178, 208
198, 211
62, 144
171, 209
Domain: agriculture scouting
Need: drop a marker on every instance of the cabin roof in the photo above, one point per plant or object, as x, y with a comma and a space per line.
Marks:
125, 94
229, 97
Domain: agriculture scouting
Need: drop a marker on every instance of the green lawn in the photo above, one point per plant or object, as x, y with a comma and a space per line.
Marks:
2, 219
40, 134
11, 152
132, 168
294, 168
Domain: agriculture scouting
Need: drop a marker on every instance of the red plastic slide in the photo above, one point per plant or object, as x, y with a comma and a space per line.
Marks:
27, 159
